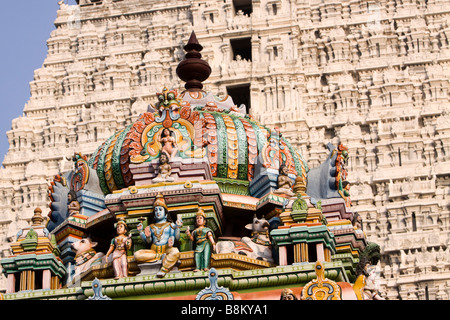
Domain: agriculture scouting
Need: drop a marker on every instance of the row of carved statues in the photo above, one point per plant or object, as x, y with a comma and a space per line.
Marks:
160, 236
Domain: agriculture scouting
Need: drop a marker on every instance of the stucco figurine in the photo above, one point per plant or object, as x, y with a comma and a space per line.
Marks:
118, 249
161, 235
204, 240
164, 169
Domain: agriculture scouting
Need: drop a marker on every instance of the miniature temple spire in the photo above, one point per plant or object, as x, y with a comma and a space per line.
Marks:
193, 69
37, 219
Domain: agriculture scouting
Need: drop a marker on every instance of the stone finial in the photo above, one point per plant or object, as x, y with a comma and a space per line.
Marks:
37, 219
299, 186
193, 69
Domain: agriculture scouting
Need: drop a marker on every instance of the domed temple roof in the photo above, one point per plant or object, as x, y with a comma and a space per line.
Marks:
203, 126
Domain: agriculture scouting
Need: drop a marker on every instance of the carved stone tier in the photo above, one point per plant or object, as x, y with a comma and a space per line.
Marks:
335, 209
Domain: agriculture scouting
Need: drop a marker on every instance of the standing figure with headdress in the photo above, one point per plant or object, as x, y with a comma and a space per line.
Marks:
162, 235
204, 240
118, 248
346, 192
168, 142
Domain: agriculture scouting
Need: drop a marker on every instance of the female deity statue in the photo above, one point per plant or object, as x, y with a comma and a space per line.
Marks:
168, 142
357, 221
346, 191
118, 248
204, 240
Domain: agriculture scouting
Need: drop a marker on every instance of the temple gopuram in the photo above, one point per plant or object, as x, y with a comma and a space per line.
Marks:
196, 200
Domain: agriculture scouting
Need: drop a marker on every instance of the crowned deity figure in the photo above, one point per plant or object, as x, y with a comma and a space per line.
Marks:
118, 249
204, 240
161, 235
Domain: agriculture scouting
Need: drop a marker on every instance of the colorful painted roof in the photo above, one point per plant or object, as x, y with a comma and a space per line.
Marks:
203, 127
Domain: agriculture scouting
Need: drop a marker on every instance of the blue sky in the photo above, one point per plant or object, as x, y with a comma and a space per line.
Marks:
25, 27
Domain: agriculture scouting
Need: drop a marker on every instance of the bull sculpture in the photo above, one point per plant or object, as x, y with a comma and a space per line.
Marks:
85, 257
258, 246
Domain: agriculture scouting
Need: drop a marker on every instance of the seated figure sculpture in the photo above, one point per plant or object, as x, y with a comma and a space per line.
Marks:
73, 205
162, 235
284, 182
164, 170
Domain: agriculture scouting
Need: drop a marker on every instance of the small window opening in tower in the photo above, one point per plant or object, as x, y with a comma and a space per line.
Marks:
414, 221
290, 254
240, 95
243, 5
275, 51
242, 47
17, 282
312, 252
274, 9
38, 277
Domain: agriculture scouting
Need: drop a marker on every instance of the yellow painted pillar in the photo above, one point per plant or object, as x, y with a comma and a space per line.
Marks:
30, 280
327, 254
23, 281
304, 252
297, 253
